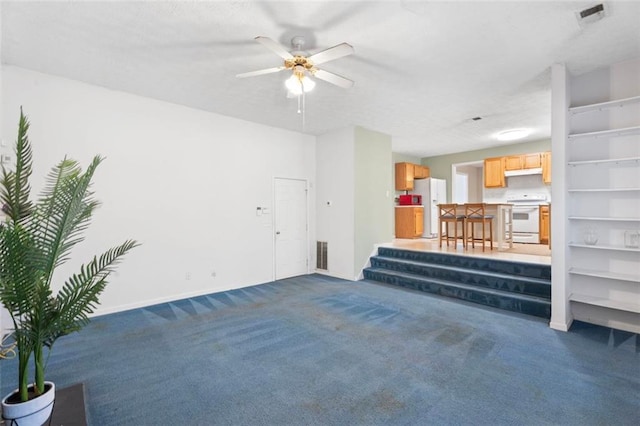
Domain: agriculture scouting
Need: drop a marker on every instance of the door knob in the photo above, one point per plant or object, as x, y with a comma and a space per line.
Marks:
277, 232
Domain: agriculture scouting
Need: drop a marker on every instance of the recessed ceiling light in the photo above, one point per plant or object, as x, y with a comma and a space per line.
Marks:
513, 134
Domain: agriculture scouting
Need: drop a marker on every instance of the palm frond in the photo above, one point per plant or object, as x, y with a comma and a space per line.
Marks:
14, 185
63, 212
79, 296
18, 277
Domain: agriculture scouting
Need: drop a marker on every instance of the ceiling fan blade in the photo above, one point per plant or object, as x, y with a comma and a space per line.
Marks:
332, 78
279, 49
260, 72
335, 52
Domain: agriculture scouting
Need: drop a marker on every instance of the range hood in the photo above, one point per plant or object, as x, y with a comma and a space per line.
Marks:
523, 172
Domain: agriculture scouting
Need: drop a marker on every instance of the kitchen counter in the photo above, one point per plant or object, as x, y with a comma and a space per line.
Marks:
502, 222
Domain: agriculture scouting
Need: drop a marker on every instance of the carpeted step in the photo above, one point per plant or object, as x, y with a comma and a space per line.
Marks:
524, 269
493, 280
522, 303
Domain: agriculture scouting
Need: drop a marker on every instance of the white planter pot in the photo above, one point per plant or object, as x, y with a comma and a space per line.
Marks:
31, 413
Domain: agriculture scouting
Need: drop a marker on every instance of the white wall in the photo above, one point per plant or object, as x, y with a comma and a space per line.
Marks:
374, 186
183, 182
3, 312
335, 200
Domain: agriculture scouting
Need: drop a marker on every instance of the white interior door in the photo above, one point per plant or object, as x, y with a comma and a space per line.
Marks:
291, 245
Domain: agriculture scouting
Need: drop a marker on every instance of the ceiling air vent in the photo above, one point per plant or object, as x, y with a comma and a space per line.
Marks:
591, 14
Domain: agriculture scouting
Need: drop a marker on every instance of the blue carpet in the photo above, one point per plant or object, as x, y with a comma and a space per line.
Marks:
321, 351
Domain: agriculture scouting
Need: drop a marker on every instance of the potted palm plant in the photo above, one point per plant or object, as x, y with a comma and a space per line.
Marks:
35, 239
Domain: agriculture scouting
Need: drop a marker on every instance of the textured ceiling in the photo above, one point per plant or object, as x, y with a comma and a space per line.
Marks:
423, 70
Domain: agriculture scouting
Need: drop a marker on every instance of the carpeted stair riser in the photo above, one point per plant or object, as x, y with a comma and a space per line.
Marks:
529, 305
471, 262
496, 281
513, 286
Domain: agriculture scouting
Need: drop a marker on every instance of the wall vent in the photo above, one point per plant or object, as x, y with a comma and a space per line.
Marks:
591, 14
321, 255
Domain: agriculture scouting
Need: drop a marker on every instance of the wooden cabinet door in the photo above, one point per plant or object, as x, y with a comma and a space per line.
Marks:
514, 162
546, 167
494, 172
404, 176
420, 172
532, 161
409, 222
544, 224
418, 217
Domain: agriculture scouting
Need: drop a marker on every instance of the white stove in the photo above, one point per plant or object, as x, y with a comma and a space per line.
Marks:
526, 217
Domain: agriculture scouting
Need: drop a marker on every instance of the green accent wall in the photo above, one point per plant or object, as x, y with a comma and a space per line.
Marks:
373, 199
440, 166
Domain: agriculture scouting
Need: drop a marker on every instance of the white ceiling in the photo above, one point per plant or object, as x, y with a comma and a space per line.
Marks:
423, 70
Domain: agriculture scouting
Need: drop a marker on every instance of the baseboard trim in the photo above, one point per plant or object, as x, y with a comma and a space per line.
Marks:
561, 326
166, 299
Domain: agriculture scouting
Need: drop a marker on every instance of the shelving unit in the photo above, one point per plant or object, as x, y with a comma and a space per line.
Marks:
605, 247
602, 106
602, 166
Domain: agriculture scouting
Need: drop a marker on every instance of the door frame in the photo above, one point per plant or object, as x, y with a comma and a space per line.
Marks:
274, 221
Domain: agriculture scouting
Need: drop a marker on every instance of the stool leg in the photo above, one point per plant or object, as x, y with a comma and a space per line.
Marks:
473, 235
491, 233
440, 233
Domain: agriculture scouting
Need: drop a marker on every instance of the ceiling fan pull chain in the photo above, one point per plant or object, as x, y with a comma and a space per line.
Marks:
304, 98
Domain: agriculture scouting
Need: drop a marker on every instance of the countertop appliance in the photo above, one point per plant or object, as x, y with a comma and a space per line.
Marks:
410, 200
434, 192
526, 217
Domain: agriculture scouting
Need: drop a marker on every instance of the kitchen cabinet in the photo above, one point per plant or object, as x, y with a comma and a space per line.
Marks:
513, 162
545, 221
546, 167
523, 161
602, 192
420, 172
532, 161
494, 172
404, 176
406, 173
409, 221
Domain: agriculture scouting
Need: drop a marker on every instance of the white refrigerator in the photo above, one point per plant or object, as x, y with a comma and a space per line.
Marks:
434, 192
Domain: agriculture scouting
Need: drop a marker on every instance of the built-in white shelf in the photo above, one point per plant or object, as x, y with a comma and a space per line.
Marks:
605, 274
627, 131
606, 219
604, 247
604, 161
601, 106
604, 190
605, 303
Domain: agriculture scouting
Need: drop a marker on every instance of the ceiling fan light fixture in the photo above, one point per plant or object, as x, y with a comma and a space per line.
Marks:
297, 84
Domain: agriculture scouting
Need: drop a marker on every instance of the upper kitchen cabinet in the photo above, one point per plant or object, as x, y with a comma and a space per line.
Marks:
420, 172
523, 161
494, 172
546, 167
407, 172
404, 176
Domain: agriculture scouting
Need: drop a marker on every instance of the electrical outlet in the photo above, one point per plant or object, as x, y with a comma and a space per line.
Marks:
187, 276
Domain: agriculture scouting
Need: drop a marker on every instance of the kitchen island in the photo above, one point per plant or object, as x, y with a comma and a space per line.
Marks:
502, 223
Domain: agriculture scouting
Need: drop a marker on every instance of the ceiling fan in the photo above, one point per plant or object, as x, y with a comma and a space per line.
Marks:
302, 65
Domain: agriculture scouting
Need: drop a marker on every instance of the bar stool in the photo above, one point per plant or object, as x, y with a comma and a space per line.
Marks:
475, 213
447, 216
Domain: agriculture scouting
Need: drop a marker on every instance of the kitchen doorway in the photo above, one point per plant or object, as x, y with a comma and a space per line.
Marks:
467, 182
